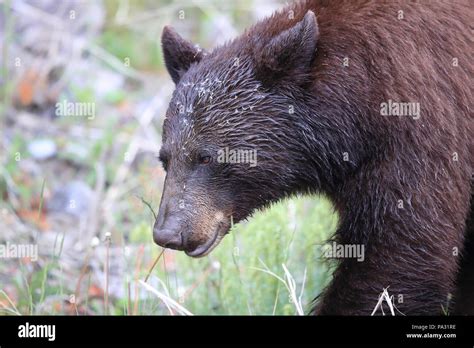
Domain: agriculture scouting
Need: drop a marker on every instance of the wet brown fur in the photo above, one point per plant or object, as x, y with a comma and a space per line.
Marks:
426, 163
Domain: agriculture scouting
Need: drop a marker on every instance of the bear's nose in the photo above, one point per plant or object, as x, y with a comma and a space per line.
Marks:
167, 237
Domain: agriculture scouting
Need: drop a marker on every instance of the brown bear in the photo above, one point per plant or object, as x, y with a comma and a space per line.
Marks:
369, 103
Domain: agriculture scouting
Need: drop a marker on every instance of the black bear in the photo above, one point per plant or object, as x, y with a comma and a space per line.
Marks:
367, 102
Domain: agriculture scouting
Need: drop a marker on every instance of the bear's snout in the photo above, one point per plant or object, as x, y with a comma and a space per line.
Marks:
168, 234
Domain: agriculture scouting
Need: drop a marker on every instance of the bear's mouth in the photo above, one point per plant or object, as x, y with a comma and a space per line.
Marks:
206, 248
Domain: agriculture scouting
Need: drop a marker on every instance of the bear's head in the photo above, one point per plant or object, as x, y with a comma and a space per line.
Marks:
230, 141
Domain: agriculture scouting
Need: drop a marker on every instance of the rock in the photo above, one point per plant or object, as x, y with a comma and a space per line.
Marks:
42, 149
74, 198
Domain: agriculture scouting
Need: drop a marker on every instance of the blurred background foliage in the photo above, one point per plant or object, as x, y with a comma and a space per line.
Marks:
81, 188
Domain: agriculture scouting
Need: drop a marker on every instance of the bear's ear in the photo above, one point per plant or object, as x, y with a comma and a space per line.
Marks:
290, 53
178, 53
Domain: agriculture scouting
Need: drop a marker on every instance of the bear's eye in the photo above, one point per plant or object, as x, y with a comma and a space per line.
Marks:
205, 159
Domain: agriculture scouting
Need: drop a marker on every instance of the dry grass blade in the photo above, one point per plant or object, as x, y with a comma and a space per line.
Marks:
10, 310
40, 208
289, 283
167, 300
149, 206
389, 299
153, 266
107, 260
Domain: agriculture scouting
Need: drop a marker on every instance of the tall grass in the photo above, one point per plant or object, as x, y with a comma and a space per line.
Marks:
272, 246
7, 85
266, 266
